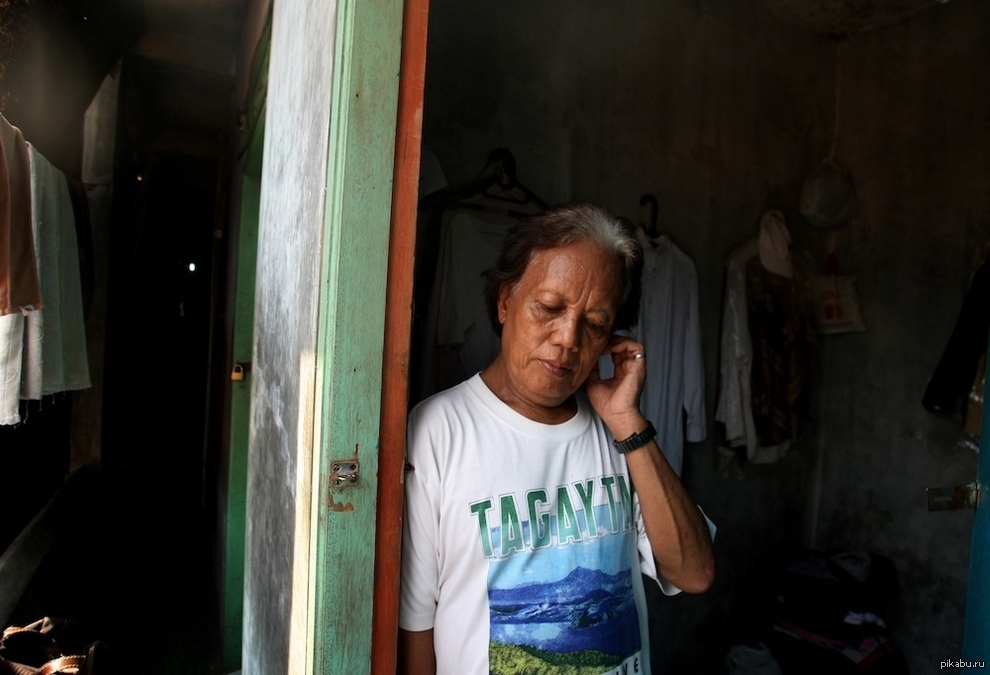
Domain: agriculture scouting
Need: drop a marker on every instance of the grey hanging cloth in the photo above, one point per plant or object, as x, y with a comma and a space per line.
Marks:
949, 386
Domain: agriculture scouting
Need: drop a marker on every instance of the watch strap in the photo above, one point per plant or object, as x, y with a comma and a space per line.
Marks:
636, 440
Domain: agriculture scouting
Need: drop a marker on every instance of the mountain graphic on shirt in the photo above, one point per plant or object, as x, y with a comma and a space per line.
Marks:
588, 618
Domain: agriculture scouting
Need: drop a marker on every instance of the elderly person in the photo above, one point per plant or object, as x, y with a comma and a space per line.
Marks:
535, 493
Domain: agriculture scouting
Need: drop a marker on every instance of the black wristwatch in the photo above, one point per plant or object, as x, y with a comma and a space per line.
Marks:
636, 440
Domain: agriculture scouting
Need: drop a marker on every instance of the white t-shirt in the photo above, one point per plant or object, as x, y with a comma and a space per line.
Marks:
523, 542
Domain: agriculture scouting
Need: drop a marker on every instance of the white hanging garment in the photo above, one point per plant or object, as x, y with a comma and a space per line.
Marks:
11, 349
736, 354
670, 329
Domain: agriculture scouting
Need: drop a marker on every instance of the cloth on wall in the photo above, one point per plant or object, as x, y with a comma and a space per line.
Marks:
43, 351
767, 345
458, 337
782, 328
84, 237
20, 288
953, 376
733, 409
54, 338
670, 329
11, 351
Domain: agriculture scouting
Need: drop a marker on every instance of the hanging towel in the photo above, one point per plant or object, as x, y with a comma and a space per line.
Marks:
55, 338
20, 289
11, 341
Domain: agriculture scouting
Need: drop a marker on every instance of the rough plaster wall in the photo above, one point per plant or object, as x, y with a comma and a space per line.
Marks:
99, 136
292, 204
914, 133
718, 109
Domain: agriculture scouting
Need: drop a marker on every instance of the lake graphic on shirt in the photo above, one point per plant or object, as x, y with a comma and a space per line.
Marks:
564, 608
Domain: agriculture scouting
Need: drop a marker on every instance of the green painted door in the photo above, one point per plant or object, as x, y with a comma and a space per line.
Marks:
976, 635
351, 326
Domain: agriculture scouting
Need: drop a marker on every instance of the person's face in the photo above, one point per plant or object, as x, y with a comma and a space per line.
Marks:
556, 322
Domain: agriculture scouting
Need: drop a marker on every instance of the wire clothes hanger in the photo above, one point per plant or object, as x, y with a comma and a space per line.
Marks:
650, 228
498, 192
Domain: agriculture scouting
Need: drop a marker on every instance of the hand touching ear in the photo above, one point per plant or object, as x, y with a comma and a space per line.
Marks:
617, 398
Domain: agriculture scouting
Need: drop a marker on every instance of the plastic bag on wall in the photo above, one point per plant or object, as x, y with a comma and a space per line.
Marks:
828, 197
836, 301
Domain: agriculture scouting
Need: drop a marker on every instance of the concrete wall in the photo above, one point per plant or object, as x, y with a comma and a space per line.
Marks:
914, 133
722, 112
292, 206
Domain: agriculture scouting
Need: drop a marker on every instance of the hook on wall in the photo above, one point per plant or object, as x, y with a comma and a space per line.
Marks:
651, 227
505, 166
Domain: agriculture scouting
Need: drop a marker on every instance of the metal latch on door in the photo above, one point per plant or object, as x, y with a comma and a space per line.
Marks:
345, 472
238, 371
957, 497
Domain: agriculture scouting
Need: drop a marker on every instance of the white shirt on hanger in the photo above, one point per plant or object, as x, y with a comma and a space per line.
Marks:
670, 329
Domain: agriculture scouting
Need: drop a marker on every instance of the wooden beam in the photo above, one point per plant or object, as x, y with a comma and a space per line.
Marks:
398, 329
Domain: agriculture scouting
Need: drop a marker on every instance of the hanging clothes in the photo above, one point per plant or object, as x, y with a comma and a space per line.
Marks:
11, 354
782, 328
20, 288
459, 339
734, 410
466, 225
670, 329
43, 351
55, 358
767, 345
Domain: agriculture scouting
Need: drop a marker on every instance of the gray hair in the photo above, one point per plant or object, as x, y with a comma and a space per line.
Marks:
561, 226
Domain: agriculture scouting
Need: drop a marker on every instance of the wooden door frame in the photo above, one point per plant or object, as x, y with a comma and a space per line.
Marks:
374, 43
398, 332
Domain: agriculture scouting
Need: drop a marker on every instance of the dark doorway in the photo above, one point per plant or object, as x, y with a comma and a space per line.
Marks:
158, 334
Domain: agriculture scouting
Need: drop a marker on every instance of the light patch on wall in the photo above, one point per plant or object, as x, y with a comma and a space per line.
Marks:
300, 627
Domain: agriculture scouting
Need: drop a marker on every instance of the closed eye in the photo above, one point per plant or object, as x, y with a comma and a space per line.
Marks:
597, 329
